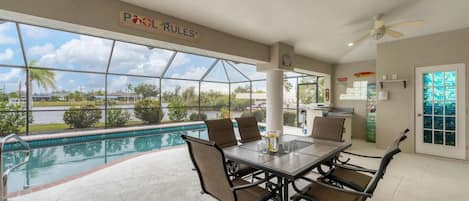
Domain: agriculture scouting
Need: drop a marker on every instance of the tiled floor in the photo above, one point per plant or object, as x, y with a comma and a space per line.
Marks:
167, 176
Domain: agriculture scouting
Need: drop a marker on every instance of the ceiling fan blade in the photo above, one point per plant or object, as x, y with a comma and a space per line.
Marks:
359, 40
393, 33
407, 23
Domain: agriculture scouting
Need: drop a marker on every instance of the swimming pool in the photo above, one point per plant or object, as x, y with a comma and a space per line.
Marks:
56, 159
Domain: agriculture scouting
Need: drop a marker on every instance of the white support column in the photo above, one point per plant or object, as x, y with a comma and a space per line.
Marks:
274, 115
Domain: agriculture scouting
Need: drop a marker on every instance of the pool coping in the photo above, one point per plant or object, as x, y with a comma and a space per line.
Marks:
102, 131
85, 173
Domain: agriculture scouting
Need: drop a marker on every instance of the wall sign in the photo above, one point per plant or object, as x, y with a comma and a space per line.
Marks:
158, 26
364, 74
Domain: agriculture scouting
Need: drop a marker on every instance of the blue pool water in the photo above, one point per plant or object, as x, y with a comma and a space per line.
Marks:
68, 157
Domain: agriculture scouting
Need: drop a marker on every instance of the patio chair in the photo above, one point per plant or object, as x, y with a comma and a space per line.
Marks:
354, 176
209, 162
248, 129
328, 128
318, 190
221, 132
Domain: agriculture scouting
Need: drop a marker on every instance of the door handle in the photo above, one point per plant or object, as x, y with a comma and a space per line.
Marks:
419, 115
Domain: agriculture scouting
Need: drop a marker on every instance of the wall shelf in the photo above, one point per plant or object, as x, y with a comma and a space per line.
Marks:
404, 82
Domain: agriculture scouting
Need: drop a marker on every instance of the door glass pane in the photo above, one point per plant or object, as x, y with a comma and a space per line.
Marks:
427, 107
450, 138
450, 123
427, 136
438, 78
438, 137
438, 93
450, 93
450, 108
438, 123
428, 80
439, 107
450, 78
427, 122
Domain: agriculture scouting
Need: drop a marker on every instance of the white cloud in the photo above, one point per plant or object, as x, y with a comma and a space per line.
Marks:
139, 60
84, 53
5, 39
34, 32
6, 55
45, 49
12, 75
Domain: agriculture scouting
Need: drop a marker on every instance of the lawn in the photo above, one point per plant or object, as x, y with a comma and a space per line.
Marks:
36, 128
73, 103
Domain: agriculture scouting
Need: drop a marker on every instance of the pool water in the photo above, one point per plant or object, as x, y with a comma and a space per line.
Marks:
53, 163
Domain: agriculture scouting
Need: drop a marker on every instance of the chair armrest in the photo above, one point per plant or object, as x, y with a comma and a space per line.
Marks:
356, 168
240, 187
330, 187
360, 155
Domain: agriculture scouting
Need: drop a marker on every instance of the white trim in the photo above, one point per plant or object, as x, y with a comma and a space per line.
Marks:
459, 151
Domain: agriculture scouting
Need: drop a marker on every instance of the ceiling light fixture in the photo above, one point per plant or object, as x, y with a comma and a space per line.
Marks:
351, 44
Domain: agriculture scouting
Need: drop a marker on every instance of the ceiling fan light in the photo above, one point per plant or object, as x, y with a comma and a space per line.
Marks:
350, 44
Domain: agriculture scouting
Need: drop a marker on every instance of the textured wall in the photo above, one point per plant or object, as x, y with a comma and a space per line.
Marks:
347, 70
402, 57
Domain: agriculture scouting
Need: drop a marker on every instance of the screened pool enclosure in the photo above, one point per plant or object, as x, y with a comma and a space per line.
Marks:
52, 80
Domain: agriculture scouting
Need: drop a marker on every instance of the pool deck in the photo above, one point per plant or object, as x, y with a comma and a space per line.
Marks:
167, 175
287, 129
104, 131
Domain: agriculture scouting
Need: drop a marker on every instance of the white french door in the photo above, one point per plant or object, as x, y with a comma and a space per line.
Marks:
440, 110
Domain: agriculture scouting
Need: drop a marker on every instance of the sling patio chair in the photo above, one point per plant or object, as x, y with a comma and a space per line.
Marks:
355, 184
209, 162
221, 132
331, 129
248, 129
328, 128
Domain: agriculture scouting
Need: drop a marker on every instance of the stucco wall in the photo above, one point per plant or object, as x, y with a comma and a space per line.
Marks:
402, 57
347, 70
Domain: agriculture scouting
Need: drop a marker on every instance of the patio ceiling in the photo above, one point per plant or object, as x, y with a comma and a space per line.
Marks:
318, 29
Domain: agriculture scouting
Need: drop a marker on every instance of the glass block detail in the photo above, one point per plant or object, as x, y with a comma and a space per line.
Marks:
439, 107
450, 123
438, 123
450, 108
427, 136
450, 78
428, 122
450, 138
438, 137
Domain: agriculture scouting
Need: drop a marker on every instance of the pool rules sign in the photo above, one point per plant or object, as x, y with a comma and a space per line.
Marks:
158, 26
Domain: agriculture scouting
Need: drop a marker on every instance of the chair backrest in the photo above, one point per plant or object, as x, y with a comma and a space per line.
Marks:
248, 129
221, 132
209, 163
328, 128
392, 150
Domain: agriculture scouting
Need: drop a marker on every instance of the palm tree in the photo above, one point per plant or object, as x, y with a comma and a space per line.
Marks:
44, 79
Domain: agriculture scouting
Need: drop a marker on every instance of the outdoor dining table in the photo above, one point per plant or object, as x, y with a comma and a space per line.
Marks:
310, 153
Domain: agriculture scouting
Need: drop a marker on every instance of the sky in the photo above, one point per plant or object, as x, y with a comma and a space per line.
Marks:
63, 50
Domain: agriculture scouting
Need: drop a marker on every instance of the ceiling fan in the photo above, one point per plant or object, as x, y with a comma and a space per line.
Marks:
380, 29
